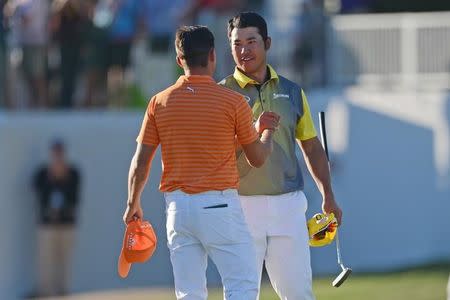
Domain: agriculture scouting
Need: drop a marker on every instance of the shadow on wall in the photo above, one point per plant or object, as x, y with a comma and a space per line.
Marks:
392, 179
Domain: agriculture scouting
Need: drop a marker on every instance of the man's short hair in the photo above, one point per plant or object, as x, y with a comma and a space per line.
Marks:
248, 19
193, 44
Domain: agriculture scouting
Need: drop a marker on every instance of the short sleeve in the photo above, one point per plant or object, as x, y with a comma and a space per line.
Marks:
305, 127
149, 132
245, 131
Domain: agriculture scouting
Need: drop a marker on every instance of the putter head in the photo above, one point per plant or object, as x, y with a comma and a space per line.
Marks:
342, 277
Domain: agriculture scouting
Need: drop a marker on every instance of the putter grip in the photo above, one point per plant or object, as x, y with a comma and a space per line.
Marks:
323, 133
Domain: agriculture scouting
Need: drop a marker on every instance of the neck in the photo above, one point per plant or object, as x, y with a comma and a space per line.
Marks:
197, 71
260, 75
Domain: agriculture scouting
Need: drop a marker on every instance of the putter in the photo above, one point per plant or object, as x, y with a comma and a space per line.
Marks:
345, 271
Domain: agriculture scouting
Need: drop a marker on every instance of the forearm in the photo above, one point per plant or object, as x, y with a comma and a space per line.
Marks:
138, 175
258, 151
317, 164
267, 143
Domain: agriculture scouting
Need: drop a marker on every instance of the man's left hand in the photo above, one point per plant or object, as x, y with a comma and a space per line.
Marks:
329, 205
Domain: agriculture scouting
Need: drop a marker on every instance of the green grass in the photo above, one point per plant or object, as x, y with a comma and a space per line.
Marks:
428, 283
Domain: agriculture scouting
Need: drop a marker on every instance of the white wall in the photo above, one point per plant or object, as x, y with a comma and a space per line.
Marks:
391, 174
392, 183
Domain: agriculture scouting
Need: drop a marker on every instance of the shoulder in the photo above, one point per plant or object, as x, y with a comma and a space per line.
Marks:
224, 89
230, 84
74, 173
74, 170
40, 176
231, 99
161, 97
165, 93
283, 81
227, 81
41, 171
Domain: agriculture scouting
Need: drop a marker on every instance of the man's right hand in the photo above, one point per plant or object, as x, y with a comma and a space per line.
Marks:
267, 120
133, 211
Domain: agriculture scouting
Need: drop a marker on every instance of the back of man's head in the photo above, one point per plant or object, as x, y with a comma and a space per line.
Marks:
193, 44
248, 19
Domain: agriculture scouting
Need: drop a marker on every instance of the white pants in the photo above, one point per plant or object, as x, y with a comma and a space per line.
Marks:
448, 289
278, 226
210, 223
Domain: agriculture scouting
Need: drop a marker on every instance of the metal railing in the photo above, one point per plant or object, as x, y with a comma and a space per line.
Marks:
401, 50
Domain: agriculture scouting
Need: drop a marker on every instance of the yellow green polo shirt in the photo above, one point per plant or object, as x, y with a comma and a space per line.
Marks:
281, 172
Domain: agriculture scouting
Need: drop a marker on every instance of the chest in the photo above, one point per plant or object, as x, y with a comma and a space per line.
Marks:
285, 101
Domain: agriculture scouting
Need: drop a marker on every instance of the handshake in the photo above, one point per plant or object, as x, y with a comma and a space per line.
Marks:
267, 120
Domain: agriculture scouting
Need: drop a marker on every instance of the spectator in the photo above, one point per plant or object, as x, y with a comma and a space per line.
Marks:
67, 25
309, 54
57, 190
115, 23
216, 13
3, 93
161, 22
29, 18
95, 57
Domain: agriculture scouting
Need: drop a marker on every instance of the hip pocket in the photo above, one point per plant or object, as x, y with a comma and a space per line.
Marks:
223, 225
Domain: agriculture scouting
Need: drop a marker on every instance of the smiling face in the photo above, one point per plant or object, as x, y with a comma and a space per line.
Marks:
249, 49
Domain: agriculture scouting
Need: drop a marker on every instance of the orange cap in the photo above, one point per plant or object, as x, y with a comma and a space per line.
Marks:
139, 243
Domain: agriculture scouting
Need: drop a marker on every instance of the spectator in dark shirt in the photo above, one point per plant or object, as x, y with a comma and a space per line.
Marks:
57, 188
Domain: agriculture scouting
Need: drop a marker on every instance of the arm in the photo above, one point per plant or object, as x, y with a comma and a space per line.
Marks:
74, 198
316, 160
137, 177
258, 151
317, 164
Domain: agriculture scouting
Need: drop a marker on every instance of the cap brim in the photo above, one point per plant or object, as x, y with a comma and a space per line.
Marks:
123, 266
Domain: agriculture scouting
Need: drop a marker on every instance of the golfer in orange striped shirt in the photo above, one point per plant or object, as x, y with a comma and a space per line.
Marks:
197, 123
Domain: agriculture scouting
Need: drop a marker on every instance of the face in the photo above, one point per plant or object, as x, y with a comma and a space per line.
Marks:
57, 155
248, 49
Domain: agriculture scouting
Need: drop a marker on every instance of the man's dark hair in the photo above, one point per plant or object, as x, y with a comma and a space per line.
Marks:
57, 145
248, 19
193, 43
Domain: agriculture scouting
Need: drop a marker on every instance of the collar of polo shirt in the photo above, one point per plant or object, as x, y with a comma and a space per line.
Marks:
243, 79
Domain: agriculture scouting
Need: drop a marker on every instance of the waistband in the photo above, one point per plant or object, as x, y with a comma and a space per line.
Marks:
207, 193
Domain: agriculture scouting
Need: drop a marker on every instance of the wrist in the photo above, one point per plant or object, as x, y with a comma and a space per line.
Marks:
328, 196
133, 202
266, 135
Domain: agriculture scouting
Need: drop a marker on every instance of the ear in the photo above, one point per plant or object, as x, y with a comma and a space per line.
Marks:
212, 55
267, 43
180, 62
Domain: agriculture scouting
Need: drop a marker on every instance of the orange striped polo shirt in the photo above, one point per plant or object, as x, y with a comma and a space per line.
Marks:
196, 122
